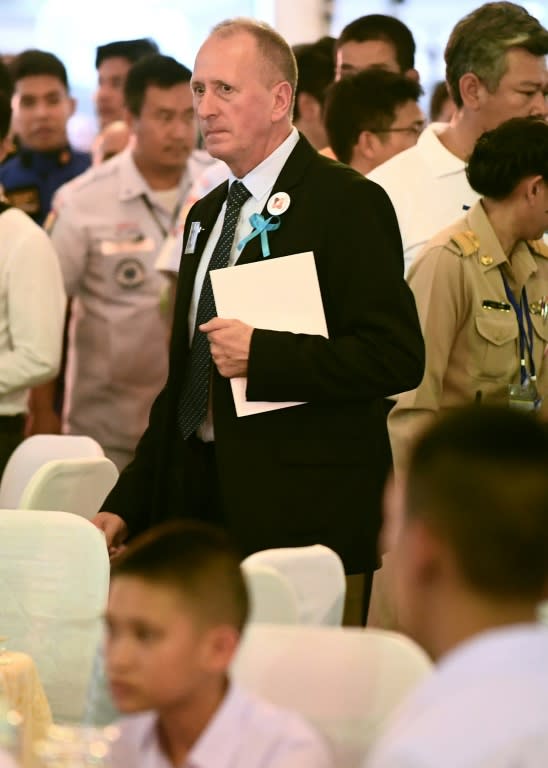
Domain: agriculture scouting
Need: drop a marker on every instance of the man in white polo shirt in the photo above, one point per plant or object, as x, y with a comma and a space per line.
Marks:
495, 70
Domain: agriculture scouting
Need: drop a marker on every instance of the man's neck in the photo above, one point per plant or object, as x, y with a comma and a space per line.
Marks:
471, 615
180, 727
158, 177
460, 135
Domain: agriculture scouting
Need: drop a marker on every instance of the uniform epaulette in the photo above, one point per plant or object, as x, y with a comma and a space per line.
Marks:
539, 247
466, 242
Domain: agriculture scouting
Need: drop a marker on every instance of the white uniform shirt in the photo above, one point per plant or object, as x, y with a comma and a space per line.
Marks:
245, 732
486, 706
32, 310
428, 188
107, 239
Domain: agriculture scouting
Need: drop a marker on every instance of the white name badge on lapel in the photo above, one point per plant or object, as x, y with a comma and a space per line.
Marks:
195, 229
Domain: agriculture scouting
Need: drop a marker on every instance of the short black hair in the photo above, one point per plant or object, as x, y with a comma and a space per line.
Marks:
132, 50
315, 69
6, 82
366, 101
501, 158
34, 62
440, 94
196, 560
161, 71
5, 114
478, 478
377, 26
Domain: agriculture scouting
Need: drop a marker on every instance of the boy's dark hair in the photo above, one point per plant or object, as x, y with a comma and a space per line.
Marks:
196, 560
6, 83
132, 50
366, 101
316, 69
508, 154
161, 71
479, 479
34, 62
480, 41
377, 26
5, 115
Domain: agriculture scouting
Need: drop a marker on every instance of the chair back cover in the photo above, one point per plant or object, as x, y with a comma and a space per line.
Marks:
317, 576
71, 485
35, 451
345, 681
54, 577
272, 598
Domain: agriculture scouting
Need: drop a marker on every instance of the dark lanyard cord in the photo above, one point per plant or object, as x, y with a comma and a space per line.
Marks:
157, 220
525, 334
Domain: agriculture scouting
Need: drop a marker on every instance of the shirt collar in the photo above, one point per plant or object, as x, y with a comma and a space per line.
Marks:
435, 154
133, 184
260, 179
491, 254
217, 743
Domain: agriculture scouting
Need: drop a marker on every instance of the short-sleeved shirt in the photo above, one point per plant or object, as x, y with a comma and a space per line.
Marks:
428, 188
470, 330
30, 179
486, 706
245, 732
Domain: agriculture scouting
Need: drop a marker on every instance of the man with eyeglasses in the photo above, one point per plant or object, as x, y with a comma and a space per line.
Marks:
495, 70
372, 116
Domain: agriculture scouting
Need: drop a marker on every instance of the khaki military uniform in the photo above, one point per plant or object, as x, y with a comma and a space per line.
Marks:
108, 239
471, 332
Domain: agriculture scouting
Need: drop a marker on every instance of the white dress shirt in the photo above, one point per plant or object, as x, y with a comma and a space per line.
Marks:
245, 732
32, 310
486, 706
259, 182
428, 188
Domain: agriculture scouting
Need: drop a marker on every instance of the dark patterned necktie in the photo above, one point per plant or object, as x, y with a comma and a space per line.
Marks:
193, 403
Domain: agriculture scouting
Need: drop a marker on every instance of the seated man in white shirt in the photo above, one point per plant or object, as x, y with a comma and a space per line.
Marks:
178, 604
470, 531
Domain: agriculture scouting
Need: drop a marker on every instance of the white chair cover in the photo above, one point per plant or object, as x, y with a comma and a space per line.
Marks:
345, 681
272, 598
54, 576
317, 576
35, 451
71, 485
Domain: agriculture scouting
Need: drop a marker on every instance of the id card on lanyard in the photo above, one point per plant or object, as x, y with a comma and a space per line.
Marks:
523, 395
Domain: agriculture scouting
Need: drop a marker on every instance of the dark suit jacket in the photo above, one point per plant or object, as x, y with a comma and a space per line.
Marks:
312, 473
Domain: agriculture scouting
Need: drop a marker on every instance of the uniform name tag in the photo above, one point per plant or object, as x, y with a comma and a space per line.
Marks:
195, 229
117, 247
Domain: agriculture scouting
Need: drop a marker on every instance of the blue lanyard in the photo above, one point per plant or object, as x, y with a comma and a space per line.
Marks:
525, 330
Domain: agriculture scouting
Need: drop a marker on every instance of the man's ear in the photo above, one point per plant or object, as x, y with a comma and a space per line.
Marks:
220, 646
532, 187
412, 74
73, 103
472, 91
283, 95
367, 144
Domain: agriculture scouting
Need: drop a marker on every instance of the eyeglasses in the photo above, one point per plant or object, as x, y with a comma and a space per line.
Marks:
411, 130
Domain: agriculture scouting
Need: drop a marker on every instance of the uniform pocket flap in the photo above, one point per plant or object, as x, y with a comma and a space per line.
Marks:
497, 330
541, 327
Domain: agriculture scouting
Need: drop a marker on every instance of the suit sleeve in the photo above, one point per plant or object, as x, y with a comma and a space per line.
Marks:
376, 350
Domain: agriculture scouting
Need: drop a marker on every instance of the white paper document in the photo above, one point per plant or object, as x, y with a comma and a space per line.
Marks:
280, 294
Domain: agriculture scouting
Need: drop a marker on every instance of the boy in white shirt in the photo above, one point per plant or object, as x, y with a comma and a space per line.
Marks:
178, 604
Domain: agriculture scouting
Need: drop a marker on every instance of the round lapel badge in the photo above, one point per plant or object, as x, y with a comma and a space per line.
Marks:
278, 203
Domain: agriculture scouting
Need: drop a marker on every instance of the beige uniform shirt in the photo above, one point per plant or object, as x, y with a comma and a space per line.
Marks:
472, 351
107, 239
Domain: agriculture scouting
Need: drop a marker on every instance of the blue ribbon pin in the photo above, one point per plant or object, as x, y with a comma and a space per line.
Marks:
262, 227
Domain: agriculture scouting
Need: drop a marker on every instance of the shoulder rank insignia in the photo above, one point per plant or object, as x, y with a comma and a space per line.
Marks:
539, 247
466, 242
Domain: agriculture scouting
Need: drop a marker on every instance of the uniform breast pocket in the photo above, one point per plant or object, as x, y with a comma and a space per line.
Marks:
495, 350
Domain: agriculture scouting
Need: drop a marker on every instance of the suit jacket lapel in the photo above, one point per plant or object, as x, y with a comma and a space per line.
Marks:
290, 176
